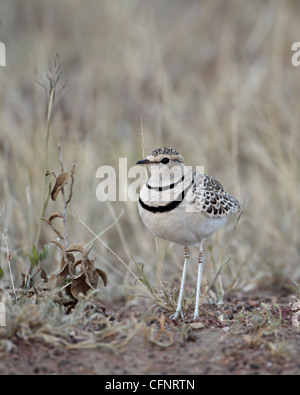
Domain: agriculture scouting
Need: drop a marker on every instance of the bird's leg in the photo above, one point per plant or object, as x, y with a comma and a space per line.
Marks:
200, 269
178, 311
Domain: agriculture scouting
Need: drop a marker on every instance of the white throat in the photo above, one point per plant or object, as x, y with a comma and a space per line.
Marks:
163, 175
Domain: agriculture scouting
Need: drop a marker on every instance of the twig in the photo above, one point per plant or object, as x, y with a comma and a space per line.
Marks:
8, 262
43, 206
72, 182
53, 228
65, 203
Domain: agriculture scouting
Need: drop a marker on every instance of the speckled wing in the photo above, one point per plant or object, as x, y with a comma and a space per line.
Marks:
211, 198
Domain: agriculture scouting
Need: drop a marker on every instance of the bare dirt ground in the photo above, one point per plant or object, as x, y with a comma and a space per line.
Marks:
246, 335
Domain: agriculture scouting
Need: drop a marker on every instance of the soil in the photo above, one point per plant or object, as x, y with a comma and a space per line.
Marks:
238, 338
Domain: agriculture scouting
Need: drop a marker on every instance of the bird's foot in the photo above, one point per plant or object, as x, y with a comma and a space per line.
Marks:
176, 314
196, 313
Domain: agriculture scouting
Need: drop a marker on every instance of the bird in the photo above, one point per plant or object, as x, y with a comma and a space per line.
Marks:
182, 206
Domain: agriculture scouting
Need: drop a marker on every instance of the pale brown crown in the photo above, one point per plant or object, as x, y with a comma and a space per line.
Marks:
165, 152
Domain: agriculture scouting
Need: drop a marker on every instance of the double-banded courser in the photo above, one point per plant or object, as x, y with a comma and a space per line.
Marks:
182, 206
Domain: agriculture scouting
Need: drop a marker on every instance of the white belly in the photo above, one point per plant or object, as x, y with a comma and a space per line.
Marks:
181, 227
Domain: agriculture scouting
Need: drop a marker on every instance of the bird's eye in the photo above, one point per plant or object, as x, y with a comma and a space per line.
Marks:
165, 161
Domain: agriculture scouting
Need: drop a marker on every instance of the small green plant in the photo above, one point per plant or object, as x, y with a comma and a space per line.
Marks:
36, 266
36, 257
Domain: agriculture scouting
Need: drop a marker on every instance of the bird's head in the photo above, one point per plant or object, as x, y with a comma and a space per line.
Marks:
164, 162
163, 157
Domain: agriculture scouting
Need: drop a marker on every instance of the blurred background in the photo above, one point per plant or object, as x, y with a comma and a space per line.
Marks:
213, 79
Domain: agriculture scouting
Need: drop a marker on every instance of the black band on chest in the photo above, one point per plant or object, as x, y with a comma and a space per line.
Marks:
171, 186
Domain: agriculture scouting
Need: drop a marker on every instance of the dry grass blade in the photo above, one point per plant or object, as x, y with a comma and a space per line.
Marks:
52, 82
8, 256
45, 320
2, 211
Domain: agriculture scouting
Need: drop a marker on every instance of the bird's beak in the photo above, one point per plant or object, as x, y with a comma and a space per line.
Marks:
143, 162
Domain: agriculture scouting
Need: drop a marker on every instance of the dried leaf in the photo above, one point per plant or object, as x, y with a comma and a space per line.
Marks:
67, 267
91, 274
103, 275
62, 275
61, 180
70, 258
79, 262
55, 215
50, 171
63, 263
75, 248
60, 245
79, 285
